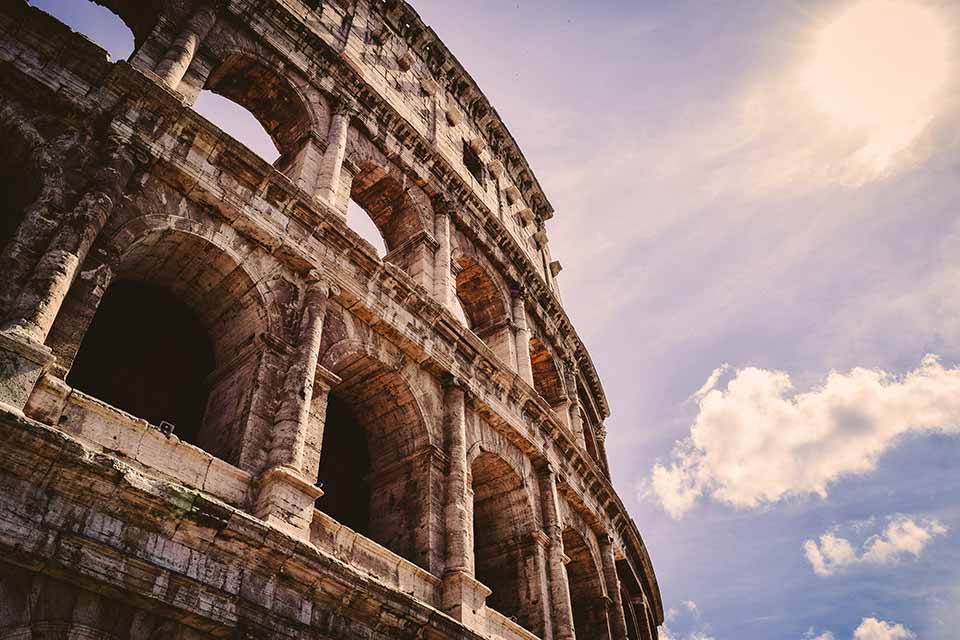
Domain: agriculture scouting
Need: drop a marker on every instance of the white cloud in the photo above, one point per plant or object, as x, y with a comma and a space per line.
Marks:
903, 536
687, 616
753, 444
873, 629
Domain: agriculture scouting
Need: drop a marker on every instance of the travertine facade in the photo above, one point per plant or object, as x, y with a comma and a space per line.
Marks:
347, 459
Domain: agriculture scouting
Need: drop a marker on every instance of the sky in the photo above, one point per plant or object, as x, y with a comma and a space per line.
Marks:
755, 210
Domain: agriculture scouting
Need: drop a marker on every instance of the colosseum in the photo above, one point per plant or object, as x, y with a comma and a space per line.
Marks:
222, 413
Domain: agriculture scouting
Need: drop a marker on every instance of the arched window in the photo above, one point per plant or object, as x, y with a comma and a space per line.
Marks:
586, 588
238, 123
359, 221
171, 340
484, 306
370, 469
502, 542
387, 203
148, 354
546, 376
98, 23
259, 106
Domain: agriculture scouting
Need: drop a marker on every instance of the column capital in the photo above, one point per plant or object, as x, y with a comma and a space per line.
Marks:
442, 204
318, 281
344, 104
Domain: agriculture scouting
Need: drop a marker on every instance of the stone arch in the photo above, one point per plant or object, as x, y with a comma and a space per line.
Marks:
546, 375
272, 94
504, 548
485, 302
140, 16
386, 198
587, 592
375, 459
175, 268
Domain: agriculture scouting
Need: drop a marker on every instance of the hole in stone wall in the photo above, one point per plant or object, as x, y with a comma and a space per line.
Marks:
359, 221
97, 23
590, 439
459, 312
344, 466
148, 354
238, 123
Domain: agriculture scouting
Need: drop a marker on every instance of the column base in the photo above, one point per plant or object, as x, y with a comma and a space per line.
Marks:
286, 500
22, 361
464, 598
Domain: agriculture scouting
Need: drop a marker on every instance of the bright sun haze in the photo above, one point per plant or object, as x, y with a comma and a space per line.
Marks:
878, 68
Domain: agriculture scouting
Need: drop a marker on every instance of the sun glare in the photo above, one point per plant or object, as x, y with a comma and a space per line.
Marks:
878, 68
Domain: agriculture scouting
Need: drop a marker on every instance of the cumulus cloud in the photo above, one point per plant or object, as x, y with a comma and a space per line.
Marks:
873, 629
869, 629
686, 623
753, 443
903, 536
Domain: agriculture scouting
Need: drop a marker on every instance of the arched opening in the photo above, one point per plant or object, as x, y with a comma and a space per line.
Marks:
591, 440
344, 468
371, 468
98, 23
242, 91
20, 187
483, 303
546, 377
147, 353
484, 306
238, 123
172, 338
502, 542
633, 626
586, 588
386, 202
359, 221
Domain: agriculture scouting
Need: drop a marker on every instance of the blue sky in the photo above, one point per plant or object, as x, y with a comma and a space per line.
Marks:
711, 210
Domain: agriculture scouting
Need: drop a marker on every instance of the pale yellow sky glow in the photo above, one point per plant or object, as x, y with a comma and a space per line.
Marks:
878, 68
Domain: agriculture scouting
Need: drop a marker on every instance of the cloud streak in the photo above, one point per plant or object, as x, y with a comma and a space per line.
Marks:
902, 537
752, 444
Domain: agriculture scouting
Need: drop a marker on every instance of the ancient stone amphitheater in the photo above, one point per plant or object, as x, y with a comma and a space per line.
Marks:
223, 414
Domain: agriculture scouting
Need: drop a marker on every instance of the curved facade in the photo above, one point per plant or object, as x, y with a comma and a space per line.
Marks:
223, 414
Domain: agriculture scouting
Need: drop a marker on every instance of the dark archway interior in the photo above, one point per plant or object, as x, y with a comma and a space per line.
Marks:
147, 353
586, 590
546, 377
633, 629
344, 469
500, 546
18, 189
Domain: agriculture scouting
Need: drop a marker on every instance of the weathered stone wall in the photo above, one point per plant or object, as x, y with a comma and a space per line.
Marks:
362, 463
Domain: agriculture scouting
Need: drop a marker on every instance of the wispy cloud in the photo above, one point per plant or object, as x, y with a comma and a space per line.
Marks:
902, 537
753, 444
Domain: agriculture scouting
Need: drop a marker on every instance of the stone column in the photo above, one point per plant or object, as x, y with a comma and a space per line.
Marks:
331, 164
463, 596
285, 494
23, 356
602, 449
573, 402
443, 286
290, 425
559, 587
175, 63
618, 623
522, 337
